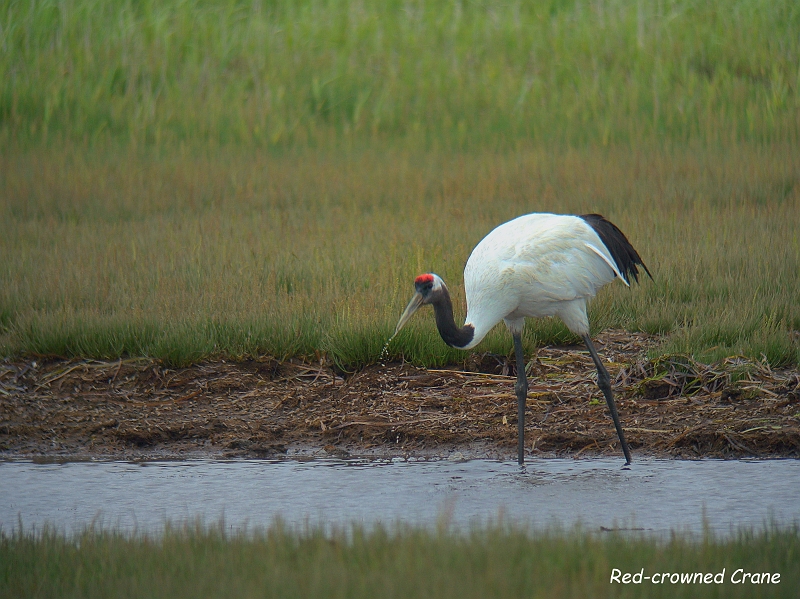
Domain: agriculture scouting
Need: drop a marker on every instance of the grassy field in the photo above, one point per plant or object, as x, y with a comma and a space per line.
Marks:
488, 562
437, 74
185, 180
184, 258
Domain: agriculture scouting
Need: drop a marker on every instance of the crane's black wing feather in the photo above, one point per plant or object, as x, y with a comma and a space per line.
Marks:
624, 254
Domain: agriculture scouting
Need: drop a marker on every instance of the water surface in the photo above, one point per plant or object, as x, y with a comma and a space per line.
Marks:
653, 495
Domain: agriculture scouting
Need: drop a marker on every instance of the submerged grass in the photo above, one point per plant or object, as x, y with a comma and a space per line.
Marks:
492, 561
185, 180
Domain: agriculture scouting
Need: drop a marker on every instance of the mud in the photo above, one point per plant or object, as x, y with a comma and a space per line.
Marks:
140, 409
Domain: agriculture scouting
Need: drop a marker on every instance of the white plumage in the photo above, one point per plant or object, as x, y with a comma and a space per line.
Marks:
537, 265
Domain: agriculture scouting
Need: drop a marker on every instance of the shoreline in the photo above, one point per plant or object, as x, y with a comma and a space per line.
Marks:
137, 409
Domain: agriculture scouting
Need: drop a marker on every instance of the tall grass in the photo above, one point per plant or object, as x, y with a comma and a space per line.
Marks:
183, 258
487, 562
188, 179
443, 73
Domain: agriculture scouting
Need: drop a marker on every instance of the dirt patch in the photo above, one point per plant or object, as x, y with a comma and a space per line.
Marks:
140, 409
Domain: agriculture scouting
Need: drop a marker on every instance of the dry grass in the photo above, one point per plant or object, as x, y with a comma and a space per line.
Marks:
243, 254
236, 178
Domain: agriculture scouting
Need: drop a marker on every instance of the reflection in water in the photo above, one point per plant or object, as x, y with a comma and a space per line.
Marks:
654, 495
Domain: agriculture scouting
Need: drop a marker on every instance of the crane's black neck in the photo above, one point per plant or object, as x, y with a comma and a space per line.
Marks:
450, 332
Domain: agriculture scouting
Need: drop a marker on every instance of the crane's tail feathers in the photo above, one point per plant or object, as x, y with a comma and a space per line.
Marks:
624, 254
611, 263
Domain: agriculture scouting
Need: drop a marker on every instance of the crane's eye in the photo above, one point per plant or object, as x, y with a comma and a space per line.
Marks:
424, 283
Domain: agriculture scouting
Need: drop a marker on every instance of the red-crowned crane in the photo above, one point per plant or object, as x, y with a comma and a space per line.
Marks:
536, 265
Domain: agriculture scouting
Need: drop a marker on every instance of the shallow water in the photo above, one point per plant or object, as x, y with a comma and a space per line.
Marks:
654, 495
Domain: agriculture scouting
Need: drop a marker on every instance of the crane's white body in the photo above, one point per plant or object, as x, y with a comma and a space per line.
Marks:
536, 265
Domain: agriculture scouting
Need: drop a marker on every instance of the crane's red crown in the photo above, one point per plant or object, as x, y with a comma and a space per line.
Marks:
426, 278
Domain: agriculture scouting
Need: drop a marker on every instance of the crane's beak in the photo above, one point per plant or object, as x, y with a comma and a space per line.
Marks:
412, 307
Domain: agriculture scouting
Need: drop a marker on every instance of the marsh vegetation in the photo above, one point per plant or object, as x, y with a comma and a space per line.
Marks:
494, 561
195, 181
244, 178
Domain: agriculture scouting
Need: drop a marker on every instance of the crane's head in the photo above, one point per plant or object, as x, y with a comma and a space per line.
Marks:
428, 286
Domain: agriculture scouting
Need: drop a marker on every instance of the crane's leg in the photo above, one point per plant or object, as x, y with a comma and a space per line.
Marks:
604, 382
521, 389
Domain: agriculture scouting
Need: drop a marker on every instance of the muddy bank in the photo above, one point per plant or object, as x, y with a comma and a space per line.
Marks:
139, 409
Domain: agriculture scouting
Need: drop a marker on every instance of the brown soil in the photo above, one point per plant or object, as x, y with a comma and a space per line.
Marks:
139, 409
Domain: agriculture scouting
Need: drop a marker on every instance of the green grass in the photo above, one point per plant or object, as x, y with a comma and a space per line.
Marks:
493, 561
194, 179
444, 74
